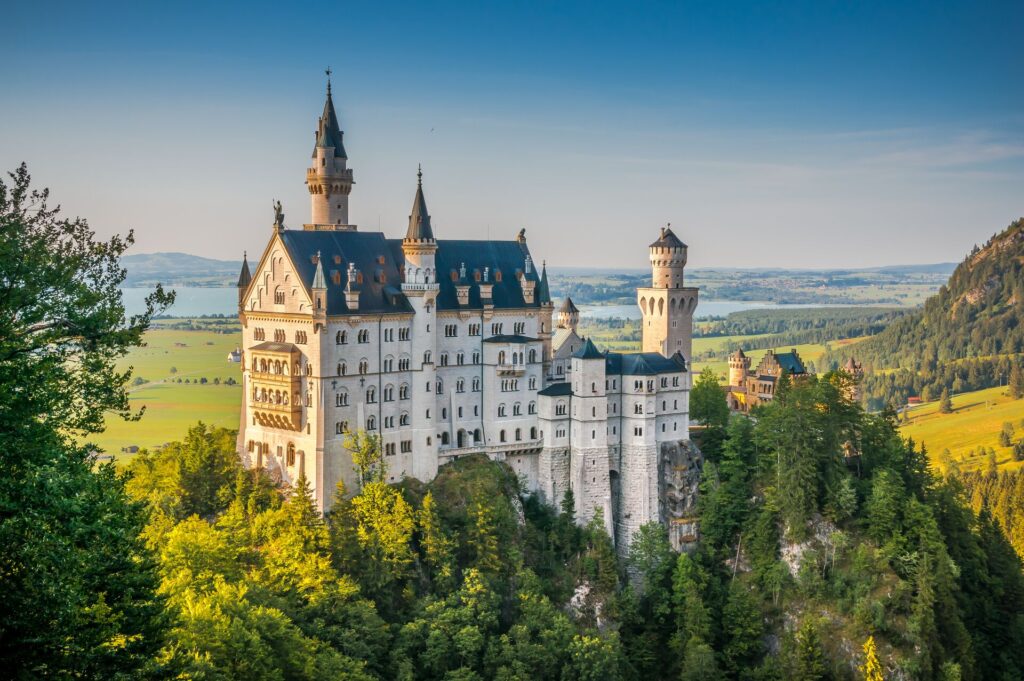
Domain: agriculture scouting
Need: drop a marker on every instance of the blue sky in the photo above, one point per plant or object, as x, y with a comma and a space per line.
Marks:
769, 134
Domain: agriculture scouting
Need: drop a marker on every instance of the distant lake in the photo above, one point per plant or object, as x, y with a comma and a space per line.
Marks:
191, 301
198, 301
705, 308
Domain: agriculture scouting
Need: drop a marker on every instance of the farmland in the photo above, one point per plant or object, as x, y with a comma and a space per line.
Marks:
170, 356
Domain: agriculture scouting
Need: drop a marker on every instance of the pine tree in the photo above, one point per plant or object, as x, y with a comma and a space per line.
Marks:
436, 546
945, 404
1016, 382
872, 668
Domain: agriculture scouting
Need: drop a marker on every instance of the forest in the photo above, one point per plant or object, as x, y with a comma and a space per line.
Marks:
828, 549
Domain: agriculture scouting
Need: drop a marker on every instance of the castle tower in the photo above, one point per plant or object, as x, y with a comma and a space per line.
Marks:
329, 179
590, 466
739, 366
421, 288
667, 306
547, 309
568, 315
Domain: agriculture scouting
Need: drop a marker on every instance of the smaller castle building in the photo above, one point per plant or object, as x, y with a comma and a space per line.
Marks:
747, 389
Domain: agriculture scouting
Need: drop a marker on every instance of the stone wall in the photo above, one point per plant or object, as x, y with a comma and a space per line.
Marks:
679, 472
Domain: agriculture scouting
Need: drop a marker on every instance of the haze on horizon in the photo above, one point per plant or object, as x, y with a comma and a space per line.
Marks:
808, 135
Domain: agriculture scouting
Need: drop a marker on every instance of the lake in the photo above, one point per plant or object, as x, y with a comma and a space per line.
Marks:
197, 302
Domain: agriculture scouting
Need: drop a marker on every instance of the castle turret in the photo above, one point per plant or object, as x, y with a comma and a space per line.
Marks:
667, 305
244, 278
329, 179
568, 315
590, 466
547, 309
421, 288
739, 365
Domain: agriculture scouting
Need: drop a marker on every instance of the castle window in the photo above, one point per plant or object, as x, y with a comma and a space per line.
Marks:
406, 446
663, 405
341, 399
440, 386
663, 427
279, 297
364, 366
403, 334
279, 336
474, 329
389, 364
501, 357
259, 334
501, 436
675, 381
675, 404
638, 408
533, 356
364, 336
533, 382
300, 337
560, 409
476, 384
533, 433
341, 427
519, 434
497, 275
444, 359
476, 357
460, 385
403, 392
460, 412
638, 431
501, 410
389, 393
531, 408
495, 329
371, 422
403, 364
517, 410
341, 338
451, 330
291, 454
520, 328
664, 381
460, 359
371, 395
426, 357
593, 411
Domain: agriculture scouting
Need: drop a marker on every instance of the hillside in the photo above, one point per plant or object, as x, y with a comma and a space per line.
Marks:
977, 314
179, 268
968, 336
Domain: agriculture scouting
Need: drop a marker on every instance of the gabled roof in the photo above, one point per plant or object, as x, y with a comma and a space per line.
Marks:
667, 239
328, 133
372, 256
557, 390
588, 351
643, 363
419, 219
791, 362
568, 306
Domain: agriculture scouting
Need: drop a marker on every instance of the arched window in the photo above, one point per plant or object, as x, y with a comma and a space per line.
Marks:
371, 422
501, 410
389, 393
426, 357
517, 409
460, 385
476, 384
403, 420
531, 408
501, 357
533, 433
501, 436
533, 356
444, 438
519, 434
440, 386
342, 368
341, 338
364, 366
371, 394
341, 399
403, 391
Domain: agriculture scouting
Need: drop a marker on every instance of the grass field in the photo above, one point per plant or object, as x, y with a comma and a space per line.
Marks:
975, 423
171, 407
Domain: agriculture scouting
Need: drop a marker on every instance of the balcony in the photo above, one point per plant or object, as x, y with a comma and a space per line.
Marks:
511, 369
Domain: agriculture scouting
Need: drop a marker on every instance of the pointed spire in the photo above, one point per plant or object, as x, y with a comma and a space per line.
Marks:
318, 279
245, 276
543, 291
419, 220
329, 132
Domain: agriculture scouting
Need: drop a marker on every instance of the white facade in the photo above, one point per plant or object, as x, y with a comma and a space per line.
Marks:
443, 349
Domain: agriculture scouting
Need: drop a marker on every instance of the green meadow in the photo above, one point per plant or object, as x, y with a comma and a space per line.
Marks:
171, 407
975, 422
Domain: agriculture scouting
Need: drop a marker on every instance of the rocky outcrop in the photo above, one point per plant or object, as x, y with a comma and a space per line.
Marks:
679, 471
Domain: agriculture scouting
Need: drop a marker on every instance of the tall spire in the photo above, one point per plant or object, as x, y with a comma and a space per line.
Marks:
318, 279
419, 220
244, 276
329, 132
543, 291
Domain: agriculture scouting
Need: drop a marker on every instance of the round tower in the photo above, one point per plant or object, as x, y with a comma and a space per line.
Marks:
667, 306
568, 315
739, 365
668, 260
329, 179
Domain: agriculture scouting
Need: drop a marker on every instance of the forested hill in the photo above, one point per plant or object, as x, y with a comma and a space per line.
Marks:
979, 313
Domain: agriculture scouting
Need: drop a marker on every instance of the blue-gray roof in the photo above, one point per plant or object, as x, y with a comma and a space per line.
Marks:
380, 262
510, 338
643, 363
588, 351
328, 133
372, 256
791, 362
557, 390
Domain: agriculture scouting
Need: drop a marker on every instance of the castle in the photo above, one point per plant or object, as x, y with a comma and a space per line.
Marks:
445, 348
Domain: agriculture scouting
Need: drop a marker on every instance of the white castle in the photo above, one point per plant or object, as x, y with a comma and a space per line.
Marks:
446, 348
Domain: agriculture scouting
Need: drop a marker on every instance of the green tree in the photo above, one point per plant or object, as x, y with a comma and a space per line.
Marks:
1006, 435
436, 546
708, 408
945, 404
807, 660
79, 585
367, 457
1017, 381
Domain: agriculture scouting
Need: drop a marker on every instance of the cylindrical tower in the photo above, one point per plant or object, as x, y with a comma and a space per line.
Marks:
668, 260
739, 365
329, 179
568, 315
